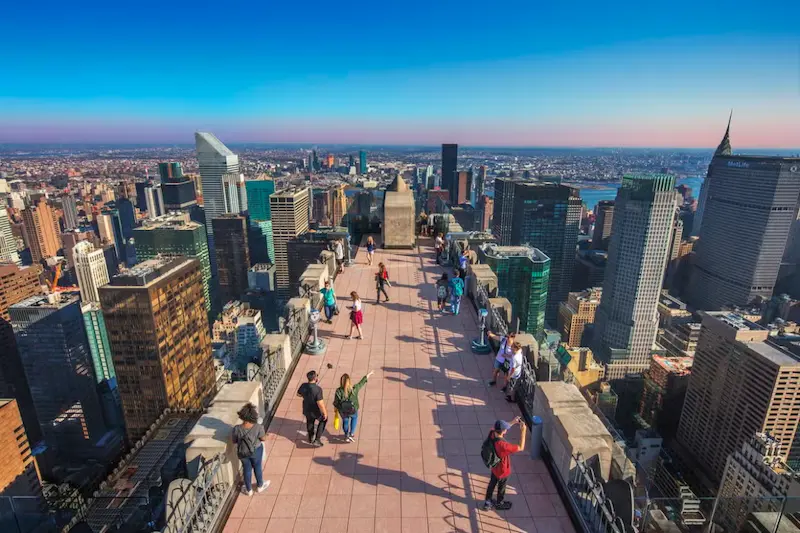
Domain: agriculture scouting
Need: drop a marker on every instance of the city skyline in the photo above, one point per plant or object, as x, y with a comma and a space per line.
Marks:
526, 80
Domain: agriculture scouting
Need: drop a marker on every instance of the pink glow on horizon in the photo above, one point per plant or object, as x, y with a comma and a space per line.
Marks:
746, 132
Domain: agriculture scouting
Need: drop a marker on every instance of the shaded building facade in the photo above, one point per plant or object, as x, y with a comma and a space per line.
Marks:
750, 206
544, 215
604, 218
449, 168
233, 255
58, 366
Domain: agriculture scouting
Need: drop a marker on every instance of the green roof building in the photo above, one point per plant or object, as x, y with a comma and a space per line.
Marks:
172, 236
258, 192
523, 275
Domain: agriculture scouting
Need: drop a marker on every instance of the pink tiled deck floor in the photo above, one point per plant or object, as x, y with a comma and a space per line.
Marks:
415, 466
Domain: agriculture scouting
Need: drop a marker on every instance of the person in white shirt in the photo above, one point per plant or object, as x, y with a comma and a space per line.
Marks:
339, 251
439, 244
515, 372
503, 354
356, 315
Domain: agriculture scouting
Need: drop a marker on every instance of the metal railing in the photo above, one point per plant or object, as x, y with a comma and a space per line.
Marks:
195, 506
526, 385
272, 373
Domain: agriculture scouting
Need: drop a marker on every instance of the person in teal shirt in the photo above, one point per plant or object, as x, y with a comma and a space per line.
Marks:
328, 301
456, 292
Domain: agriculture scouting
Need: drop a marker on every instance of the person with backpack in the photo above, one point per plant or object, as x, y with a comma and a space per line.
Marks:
356, 315
249, 437
496, 454
381, 281
328, 300
370, 250
442, 290
345, 402
314, 409
502, 362
456, 292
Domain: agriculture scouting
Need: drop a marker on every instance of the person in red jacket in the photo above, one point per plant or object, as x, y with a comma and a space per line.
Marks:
502, 470
381, 281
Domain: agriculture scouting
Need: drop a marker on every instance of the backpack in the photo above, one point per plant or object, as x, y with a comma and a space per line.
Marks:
488, 453
345, 407
244, 448
458, 287
442, 292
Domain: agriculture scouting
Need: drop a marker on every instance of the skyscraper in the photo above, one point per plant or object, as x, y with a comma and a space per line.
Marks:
158, 329
338, 204
290, 216
55, 357
362, 162
154, 200
463, 187
741, 384
544, 215
604, 218
449, 167
17, 284
233, 187
262, 246
70, 211
258, 192
523, 274
233, 255
626, 322
215, 160
723, 149
42, 230
749, 204
173, 236
170, 172
8, 244
90, 267
480, 186
105, 228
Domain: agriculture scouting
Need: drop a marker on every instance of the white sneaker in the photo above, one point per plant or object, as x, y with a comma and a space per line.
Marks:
247, 492
350, 439
264, 486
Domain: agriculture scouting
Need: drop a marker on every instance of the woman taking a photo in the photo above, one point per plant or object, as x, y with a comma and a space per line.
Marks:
249, 437
356, 315
346, 404
370, 250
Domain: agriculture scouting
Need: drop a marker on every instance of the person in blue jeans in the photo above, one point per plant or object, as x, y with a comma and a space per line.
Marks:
345, 402
370, 250
456, 292
328, 301
249, 437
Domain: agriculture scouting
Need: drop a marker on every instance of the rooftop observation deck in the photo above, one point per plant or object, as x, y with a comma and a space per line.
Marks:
415, 466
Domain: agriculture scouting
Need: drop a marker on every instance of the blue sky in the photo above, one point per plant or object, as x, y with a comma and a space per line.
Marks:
406, 72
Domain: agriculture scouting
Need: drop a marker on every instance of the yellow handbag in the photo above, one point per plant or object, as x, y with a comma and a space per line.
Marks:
337, 422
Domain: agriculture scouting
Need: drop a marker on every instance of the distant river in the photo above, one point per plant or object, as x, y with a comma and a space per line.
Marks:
591, 196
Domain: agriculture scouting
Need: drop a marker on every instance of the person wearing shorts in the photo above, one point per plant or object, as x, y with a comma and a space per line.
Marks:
502, 362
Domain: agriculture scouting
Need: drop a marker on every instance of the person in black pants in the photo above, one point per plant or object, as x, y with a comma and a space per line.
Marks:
502, 470
313, 408
381, 281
